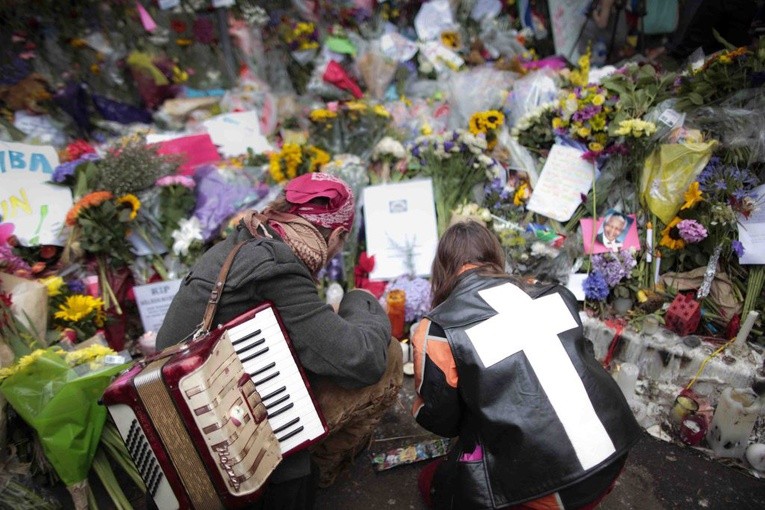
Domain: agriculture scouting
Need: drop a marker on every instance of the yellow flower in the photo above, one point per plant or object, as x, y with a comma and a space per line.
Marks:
725, 59
54, 284
132, 201
493, 119
78, 307
356, 106
521, 195
381, 111
275, 168
598, 100
426, 129
624, 129
87, 354
692, 196
321, 115
670, 236
557, 123
182, 42
598, 122
179, 75
318, 158
595, 147
583, 132
475, 124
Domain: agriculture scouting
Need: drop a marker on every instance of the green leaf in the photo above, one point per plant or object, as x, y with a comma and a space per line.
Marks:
696, 98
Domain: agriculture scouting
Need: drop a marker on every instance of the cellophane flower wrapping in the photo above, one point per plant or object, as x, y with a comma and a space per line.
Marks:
61, 404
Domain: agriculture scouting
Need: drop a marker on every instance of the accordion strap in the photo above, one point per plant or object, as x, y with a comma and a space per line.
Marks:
212, 303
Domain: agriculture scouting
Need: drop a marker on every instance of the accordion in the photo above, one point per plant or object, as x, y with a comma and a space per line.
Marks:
207, 422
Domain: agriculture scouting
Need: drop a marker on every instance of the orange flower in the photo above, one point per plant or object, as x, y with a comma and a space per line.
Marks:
90, 200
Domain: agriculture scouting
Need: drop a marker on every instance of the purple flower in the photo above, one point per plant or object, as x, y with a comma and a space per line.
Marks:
595, 287
418, 297
692, 231
738, 248
66, 170
76, 286
613, 267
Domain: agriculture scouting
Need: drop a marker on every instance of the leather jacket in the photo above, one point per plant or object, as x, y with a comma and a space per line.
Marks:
530, 394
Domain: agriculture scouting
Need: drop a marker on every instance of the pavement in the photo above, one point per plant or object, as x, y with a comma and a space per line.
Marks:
659, 475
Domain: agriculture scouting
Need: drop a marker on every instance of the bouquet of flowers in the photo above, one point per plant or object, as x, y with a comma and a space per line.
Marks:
387, 151
721, 75
293, 160
456, 162
99, 224
534, 130
487, 123
352, 127
73, 310
584, 116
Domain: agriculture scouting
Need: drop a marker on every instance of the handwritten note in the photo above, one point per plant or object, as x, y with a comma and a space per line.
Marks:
235, 132
751, 232
565, 178
153, 300
35, 207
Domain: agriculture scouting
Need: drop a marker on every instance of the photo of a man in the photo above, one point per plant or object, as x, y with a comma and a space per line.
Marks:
613, 230
616, 231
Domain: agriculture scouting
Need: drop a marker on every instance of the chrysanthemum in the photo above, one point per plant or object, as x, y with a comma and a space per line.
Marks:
78, 307
670, 236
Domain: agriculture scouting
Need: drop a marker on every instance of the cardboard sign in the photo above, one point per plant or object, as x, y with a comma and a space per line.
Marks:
153, 300
565, 178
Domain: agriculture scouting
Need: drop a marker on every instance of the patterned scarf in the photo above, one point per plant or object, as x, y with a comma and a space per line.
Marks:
300, 235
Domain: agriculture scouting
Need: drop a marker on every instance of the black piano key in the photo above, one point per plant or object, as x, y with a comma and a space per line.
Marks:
267, 378
287, 425
273, 393
280, 411
246, 337
254, 355
251, 346
289, 435
277, 402
261, 370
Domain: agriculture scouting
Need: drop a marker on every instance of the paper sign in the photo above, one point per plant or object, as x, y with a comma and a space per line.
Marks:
35, 207
576, 285
235, 132
434, 17
751, 232
153, 301
565, 178
400, 222
168, 4
195, 149
35, 162
223, 3
567, 18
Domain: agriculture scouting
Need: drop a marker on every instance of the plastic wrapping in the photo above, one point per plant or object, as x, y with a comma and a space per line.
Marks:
668, 172
376, 69
530, 92
475, 90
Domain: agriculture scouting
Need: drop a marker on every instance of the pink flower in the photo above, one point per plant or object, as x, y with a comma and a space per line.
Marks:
179, 180
692, 231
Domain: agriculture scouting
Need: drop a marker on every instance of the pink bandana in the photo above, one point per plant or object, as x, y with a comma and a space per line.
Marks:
337, 213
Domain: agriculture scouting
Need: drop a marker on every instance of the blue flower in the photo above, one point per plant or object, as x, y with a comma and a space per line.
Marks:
76, 286
595, 287
738, 248
65, 170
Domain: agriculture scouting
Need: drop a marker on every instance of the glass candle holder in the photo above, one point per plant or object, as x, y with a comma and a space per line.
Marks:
396, 312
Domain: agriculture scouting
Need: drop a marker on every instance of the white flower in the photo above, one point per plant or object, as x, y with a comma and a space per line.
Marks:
540, 249
188, 231
388, 147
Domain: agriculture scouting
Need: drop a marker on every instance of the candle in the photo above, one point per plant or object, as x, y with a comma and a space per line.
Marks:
685, 406
648, 241
746, 328
396, 312
626, 377
733, 421
656, 266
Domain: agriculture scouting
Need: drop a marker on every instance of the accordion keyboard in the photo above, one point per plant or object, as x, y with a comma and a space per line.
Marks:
265, 354
143, 456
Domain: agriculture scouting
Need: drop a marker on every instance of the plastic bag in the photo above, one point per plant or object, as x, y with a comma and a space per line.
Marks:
376, 69
475, 90
61, 404
531, 92
668, 172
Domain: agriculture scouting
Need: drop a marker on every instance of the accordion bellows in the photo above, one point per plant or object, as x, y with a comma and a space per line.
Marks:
195, 423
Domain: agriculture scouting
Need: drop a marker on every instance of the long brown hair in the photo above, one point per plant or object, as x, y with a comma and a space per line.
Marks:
464, 243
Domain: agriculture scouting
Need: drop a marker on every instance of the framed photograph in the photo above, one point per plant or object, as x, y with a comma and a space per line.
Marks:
616, 231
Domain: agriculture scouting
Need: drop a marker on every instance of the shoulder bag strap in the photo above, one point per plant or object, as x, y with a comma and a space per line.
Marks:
212, 303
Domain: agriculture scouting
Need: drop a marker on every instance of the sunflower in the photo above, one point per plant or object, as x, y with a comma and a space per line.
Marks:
692, 196
78, 307
493, 119
670, 236
380, 111
321, 115
476, 124
132, 201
